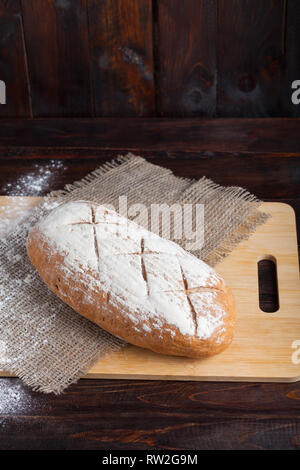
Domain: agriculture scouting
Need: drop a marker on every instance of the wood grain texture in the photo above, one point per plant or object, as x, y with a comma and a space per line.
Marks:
81, 58
187, 70
250, 57
56, 38
266, 175
217, 135
120, 35
13, 63
126, 415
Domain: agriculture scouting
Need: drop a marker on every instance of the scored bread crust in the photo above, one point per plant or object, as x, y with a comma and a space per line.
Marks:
83, 289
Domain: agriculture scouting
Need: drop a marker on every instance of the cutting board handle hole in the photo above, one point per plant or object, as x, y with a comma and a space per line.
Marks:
268, 284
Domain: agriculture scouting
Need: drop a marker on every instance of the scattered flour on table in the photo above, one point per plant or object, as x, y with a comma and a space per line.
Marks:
37, 181
13, 398
34, 183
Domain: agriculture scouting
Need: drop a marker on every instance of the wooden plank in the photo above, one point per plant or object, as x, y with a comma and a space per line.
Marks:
58, 56
149, 415
13, 66
277, 136
263, 343
255, 172
187, 72
121, 57
250, 57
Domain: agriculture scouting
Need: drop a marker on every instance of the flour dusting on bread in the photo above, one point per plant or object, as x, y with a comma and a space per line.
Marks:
162, 289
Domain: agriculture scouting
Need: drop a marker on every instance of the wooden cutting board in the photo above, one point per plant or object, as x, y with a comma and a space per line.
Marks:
262, 349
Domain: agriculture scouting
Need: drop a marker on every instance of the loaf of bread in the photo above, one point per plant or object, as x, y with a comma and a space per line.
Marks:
136, 285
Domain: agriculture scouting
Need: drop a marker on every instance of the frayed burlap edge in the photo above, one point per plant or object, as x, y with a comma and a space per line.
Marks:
14, 370
100, 171
248, 226
254, 219
243, 233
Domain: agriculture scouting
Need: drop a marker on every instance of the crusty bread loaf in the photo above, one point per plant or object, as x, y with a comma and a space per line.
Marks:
133, 283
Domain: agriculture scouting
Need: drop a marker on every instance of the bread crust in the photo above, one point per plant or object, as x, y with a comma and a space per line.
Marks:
118, 319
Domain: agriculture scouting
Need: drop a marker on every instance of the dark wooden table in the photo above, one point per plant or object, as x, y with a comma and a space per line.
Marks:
261, 155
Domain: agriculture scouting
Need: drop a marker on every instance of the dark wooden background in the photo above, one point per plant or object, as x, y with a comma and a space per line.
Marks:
163, 58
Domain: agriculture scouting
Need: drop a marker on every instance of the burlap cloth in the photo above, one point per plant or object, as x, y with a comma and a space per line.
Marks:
44, 341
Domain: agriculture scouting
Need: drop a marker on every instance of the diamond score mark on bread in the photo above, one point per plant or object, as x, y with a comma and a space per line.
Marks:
136, 285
